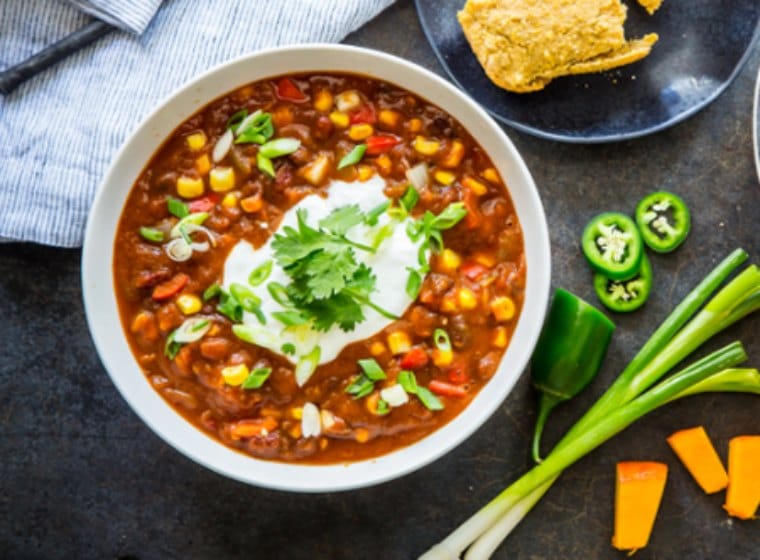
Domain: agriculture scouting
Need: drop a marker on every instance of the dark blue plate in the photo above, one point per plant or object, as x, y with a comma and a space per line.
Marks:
703, 45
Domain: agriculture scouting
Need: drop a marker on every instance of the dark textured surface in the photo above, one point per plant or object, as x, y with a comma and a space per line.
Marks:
82, 477
700, 48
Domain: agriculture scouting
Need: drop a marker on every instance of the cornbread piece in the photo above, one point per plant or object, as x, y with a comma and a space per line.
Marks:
524, 44
651, 6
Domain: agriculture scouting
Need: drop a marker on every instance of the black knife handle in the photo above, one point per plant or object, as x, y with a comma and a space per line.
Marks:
14, 76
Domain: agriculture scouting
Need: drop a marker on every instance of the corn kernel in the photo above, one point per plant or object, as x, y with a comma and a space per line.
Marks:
384, 164
449, 304
189, 304
492, 176
454, 155
361, 435
377, 348
467, 299
222, 179
503, 308
398, 342
323, 443
235, 375
323, 101
230, 200
444, 177
295, 431
252, 203
371, 402
442, 358
389, 118
449, 260
214, 330
484, 259
196, 140
425, 146
187, 187
339, 119
203, 164
361, 131
476, 187
296, 412
415, 125
365, 172
500, 338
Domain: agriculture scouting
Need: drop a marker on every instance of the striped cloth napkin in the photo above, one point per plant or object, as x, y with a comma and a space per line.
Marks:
60, 130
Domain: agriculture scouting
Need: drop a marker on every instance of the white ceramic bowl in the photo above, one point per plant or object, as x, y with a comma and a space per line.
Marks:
103, 315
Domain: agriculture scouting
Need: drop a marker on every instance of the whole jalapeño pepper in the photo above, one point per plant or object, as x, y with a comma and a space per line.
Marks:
568, 355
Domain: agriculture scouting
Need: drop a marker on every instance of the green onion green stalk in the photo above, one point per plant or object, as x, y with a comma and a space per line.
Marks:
635, 393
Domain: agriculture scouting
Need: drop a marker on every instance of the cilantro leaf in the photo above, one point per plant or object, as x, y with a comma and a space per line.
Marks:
340, 220
329, 273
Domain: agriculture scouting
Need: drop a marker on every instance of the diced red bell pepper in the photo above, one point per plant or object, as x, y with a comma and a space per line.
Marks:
364, 114
287, 89
204, 204
446, 389
379, 144
457, 374
414, 359
473, 270
171, 287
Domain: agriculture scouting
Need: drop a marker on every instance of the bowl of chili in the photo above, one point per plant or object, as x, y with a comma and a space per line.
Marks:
315, 276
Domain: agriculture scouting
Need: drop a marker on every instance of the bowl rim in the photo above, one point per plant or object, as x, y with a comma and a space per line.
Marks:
105, 325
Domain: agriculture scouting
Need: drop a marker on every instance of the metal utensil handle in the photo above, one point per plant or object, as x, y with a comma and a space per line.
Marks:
14, 76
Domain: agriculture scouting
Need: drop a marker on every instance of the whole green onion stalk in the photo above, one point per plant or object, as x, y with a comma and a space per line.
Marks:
628, 399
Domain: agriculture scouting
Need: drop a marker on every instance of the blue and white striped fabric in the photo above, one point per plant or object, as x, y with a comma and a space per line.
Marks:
60, 130
129, 15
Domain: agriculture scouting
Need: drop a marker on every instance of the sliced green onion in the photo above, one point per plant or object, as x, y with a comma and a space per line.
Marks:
245, 296
408, 381
260, 274
290, 318
382, 234
180, 229
413, 283
230, 307
279, 147
353, 157
372, 369
288, 348
360, 387
177, 207
211, 292
191, 330
257, 129
410, 198
199, 325
265, 165
371, 217
450, 216
256, 378
152, 234
171, 348
428, 399
254, 334
236, 119
382, 408
279, 293
442, 340
306, 365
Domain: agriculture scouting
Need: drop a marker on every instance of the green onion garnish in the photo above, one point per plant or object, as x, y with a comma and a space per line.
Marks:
428, 399
360, 387
260, 274
230, 307
371, 217
353, 157
382, 408
442, 340
152, 234
212, 291
408, 381
413, 283
177, 207
171, 348
279, 147
410, 198
265, 165
288, 349
256, 378
236, 119
290, 318
372, 369
279, 293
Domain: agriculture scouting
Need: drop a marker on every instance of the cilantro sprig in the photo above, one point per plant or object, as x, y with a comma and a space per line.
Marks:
328, 286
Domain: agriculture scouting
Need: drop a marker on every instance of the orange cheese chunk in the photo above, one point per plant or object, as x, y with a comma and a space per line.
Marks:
698, 455
743, 494
638, 491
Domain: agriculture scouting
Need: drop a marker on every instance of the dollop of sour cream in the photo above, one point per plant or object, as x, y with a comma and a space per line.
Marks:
390, 263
